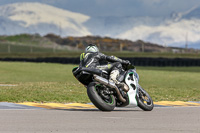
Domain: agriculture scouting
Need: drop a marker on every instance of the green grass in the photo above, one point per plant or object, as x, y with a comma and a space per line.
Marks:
154, 55
25, 39
171, 83
40, 82
46, 82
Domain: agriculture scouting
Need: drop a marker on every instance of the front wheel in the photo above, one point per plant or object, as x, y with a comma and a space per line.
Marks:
145, 102
100, 97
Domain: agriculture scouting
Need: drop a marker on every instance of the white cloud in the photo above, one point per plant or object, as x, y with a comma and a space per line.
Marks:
166, 34
34, 14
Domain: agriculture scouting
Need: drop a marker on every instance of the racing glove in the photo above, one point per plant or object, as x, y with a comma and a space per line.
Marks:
126, 62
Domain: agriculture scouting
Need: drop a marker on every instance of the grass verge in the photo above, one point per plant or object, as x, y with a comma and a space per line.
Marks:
48, 53
46, 82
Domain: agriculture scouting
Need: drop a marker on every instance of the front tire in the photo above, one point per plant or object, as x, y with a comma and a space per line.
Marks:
145, 102
104, 102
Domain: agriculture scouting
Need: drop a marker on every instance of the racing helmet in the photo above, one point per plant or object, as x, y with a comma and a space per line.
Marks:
91, 48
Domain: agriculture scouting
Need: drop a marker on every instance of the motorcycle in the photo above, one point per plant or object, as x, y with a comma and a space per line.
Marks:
105, 95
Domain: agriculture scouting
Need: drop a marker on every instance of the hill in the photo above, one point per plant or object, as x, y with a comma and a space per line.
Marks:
111, 44
53, 42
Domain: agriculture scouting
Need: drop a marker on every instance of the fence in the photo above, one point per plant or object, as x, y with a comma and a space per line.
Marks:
11, 48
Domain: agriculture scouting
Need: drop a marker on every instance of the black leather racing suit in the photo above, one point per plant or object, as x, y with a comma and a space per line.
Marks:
93, 60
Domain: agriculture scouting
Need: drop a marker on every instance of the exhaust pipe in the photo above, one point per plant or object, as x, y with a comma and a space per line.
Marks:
126, 88
110, 84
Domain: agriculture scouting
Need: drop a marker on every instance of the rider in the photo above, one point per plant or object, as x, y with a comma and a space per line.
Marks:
92, 59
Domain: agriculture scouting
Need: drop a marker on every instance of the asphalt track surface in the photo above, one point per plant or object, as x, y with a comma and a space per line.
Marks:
17, 118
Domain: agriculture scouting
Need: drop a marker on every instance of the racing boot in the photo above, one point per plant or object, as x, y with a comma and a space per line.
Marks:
113, 78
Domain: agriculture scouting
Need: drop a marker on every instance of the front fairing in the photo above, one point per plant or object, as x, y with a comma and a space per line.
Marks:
135, 73
131, 80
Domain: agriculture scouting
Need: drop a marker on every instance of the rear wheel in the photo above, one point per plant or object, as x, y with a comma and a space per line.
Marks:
101, 97
145, 102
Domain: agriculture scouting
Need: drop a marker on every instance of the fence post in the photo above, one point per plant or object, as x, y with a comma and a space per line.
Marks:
54, 49
143, 47
31, 49
9, 48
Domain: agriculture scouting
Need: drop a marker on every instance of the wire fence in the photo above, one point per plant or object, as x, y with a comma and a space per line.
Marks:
10, 48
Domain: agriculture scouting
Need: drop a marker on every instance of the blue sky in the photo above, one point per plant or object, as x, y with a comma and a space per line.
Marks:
152, 8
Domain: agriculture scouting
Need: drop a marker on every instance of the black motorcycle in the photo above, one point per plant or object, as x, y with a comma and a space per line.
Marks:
105, 95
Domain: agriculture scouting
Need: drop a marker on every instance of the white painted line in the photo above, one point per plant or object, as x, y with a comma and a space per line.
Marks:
7, 85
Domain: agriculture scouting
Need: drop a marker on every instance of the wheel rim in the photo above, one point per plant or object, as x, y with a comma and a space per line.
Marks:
144, 98
107, 98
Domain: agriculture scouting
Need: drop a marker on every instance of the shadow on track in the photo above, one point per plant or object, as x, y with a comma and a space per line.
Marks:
97, 110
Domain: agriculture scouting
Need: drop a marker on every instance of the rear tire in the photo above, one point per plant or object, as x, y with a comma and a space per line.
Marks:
100, 102
145, 102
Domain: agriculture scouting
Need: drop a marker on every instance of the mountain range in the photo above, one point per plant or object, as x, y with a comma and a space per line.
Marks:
177, 30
